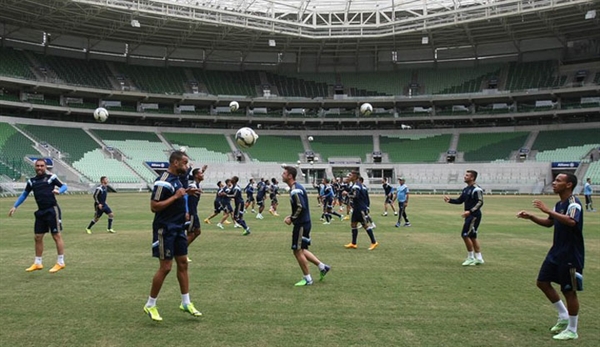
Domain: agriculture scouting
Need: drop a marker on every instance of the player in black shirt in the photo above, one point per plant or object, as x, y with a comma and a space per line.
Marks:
48, 215
101, 207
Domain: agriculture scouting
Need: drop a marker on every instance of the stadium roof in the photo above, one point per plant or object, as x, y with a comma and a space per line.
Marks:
332, 27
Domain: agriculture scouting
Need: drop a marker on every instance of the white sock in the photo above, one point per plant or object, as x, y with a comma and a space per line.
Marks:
185, 299
321, 266
308, 278
61, 259
562, 310
470, 255
573, 323
38, 260
478, 256
151, 302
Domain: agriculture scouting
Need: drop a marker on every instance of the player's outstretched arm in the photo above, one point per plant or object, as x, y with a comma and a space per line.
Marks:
547, 222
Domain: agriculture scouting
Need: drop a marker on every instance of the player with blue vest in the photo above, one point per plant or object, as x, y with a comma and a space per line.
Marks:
401, 193
48, 216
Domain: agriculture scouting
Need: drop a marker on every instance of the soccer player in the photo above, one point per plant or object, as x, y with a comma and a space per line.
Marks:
273, 192
327, 199
169, 240
193, 222
238, 201
587, 192
360, 212
388, 190
261, 191
101, 207
472, 197
249, 190
401, 194
565, 259
48, 215
225, 196
300, 217
218, 206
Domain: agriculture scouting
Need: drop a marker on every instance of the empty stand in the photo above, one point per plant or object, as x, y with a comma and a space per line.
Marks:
490, 146
72, 143
92, 73
415, 149
281, 149
342, 146
96, 164
15, 64
155, 79
137, 148
202, 148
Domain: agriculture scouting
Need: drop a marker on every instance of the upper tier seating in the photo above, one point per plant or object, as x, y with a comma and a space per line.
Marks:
14, 63
533, 75
158, 80
92, 73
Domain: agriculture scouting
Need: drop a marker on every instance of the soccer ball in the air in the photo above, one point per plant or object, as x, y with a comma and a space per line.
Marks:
310, 138
246, 137
183, 149
101, 114
366, 109
234, 106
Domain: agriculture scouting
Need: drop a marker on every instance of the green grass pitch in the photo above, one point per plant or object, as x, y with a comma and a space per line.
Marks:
411, 291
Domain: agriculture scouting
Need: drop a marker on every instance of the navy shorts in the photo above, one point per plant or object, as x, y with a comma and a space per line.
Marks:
470, 227
260, 200
100, 212
193, 223
227, 207
48, 220
566, 275
250, 198
388, 200
301, 236
169, 242
218, 207
328, 202
359, 217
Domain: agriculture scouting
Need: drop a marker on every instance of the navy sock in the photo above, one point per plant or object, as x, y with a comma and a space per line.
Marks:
371, 236
354, 235
110, 220
91, 224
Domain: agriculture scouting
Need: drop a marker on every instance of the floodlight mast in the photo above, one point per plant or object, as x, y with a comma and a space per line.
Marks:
334, 19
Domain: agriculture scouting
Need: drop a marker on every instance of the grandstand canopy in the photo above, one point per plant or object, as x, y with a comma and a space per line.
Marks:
451, 28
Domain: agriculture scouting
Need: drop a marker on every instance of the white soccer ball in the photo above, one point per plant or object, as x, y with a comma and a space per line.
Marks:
366, 109
310, 138
234, 106
246, 137
101, 114
183, 149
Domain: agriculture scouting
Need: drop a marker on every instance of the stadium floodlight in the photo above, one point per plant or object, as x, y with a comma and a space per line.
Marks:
272, 43
425, 40
135, 23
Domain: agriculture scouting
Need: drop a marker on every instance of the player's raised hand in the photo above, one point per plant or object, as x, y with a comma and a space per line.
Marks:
446, 198
540, 206
524, 215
